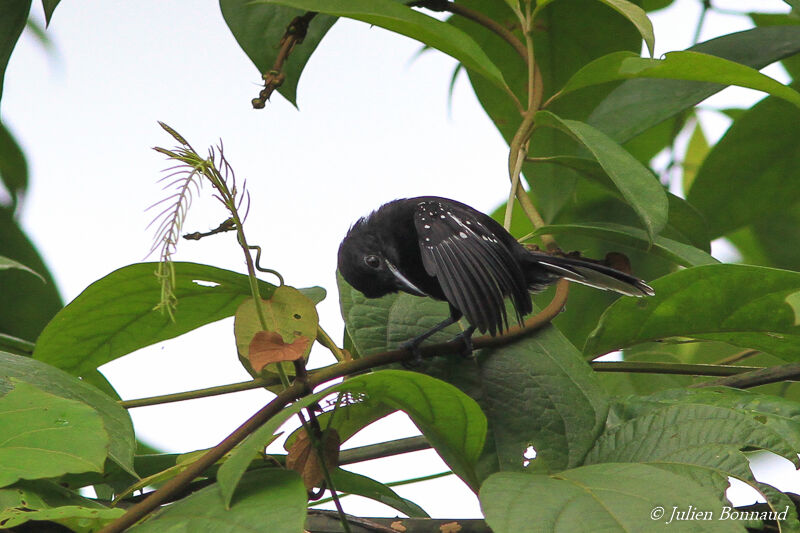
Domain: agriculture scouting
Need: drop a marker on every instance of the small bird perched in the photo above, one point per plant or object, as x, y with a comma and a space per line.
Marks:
436, 247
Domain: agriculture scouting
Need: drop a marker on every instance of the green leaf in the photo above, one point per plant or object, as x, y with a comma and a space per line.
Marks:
380, 324
764, 242
638, 104
693, 434
6, 264
791, 63
451, 421
677, 252
267, 496
606, 497
259, 29
49, 7
352, 483
636, 183
116, 420
638, 17
684, 222
291, 322
44, 500
15, 13
13, 167
47, 436
347, 420
753, 171
738, 304
401, 19
696, 152
538, 392
26, 304
689, 66
116, 315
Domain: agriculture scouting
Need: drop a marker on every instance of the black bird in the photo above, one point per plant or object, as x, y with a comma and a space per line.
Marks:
436, 247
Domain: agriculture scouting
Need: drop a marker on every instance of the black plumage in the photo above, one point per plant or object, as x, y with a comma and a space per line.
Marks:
436, 247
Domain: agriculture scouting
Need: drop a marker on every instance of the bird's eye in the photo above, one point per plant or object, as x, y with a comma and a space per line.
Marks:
372, 261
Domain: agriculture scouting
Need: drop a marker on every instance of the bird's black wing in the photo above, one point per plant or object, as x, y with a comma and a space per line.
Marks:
473, 267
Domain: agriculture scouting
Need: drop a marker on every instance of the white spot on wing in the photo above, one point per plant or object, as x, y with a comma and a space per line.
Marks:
462, 235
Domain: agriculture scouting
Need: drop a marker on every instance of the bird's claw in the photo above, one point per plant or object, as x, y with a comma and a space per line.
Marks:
416, 355
466, 337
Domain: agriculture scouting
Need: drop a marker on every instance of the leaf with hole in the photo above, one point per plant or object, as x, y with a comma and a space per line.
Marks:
289, 329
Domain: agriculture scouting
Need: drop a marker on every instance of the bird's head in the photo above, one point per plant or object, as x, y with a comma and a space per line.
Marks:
367, 263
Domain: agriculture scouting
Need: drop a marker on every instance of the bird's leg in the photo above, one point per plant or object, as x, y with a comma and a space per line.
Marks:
466, 337
413, 344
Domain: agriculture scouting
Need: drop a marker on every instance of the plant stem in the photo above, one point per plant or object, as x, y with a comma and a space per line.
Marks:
324, 339
642, 367
757, 376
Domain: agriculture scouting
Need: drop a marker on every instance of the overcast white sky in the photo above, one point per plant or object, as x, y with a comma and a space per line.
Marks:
374, 124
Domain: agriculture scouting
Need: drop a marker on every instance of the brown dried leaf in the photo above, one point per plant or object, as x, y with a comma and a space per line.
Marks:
268, 347
304, 460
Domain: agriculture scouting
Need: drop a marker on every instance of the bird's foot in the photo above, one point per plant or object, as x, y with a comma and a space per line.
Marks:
466, 337
416, 355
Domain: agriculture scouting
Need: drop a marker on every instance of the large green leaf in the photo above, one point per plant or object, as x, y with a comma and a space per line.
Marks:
13, 167
791, 63
637, 105
116, 314
695, 434
116, 420
15, 14
46, 436
26, 304
764, 242
351, 483
754, 170
401, 19
537, 391
689, 66
636, 183
451, 421
746, 306
677, 252
259, 29
267, 498
606, 497
44, 500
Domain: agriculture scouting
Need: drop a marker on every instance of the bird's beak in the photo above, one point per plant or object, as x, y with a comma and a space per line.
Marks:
403, 281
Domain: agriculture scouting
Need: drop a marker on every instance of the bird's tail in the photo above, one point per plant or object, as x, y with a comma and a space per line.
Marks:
591, 274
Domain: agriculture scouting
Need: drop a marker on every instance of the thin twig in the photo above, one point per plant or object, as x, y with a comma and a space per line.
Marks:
295, 33
735, 358
647, 367
754, 378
